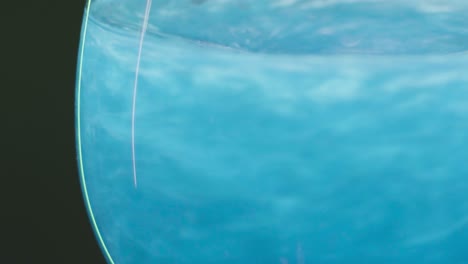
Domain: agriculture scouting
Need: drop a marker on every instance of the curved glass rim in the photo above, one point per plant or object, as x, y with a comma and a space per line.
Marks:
78, 137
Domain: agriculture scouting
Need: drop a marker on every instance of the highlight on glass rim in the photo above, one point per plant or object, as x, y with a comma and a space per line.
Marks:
275, 131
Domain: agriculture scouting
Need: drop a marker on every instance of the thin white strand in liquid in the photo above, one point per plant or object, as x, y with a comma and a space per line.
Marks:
135, 85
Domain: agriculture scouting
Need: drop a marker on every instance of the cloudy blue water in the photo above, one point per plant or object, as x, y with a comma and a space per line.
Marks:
287, 132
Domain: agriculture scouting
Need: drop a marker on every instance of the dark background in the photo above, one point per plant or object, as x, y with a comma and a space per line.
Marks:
43, 217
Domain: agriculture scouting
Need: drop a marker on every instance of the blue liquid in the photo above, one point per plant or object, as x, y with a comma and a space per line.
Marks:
332, 143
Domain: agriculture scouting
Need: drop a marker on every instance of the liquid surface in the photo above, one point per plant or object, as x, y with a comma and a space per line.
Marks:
302, 26
284, 151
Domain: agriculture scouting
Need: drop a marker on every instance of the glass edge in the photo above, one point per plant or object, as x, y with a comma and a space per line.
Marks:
81, 172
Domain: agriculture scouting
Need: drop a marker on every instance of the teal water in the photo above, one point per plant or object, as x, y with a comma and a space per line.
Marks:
288, 132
